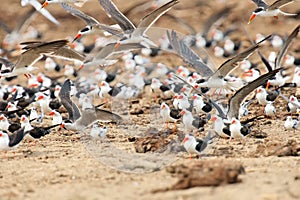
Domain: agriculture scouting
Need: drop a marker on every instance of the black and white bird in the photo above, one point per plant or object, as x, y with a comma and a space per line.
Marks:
195, 145
273, 10
10, 141
214, 79
130, 33
34, 51
80, 120
291, 124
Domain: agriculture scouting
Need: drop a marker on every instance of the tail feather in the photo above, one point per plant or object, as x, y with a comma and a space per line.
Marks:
288, 14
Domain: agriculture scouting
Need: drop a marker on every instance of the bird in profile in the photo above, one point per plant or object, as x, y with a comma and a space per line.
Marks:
130, 32
78, 3
33, 53
80, 120
195, 145
10, 140
266, 10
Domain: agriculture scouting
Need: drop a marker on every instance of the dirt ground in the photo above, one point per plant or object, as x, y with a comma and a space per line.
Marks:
66, 166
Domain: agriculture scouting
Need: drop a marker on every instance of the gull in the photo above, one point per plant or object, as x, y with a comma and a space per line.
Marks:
37, 5
4, 124
10, 140
291, 124
168, 115
293, 105
193, 145
266, 10
97, 131
235, 101
215, 79
93, 26
281, 78
131, 33
219, 126
78, 3
270, 109
190, 122
102, 57
237, 131
79, 120
263, 96
56, 117
32, 54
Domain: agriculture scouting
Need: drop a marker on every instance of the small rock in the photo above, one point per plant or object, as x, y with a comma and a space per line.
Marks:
136, 111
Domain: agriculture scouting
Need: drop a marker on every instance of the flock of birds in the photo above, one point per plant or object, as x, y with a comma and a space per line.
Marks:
192, 95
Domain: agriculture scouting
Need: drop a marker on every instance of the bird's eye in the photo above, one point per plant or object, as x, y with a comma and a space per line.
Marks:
257, 10
85, 30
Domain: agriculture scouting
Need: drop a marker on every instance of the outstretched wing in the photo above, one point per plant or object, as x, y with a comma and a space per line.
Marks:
113, 12
188, 55
285, 46
232, 63
260, 3
66, 101
152, 17
236, 100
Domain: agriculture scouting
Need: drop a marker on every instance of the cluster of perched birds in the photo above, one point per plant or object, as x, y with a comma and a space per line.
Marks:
192, 94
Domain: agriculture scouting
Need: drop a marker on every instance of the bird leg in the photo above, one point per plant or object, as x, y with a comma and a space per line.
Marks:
28, 144
4, 154
167, 125
175, 126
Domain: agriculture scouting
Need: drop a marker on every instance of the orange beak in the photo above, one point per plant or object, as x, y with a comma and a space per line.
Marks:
45, 4
184, 140
251, 18
118, 44
268, 85
76, 37
248, 73
62, 126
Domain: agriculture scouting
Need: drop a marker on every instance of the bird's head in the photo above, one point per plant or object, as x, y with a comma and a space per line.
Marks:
46, 3
213, 118
195, 97
186, 138
23, 118
233, 121
249, 73
180, 96
1, 117
52, 113
40, 97
292, 98
256, 12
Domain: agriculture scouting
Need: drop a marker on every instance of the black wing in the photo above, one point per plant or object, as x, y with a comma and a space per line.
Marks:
260, 3
113, 12
236, 100
188, 55
66, 101
16, 137
285, 46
